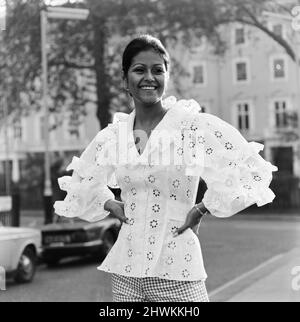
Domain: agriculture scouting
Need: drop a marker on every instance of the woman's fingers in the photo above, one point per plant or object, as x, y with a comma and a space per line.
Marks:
192, 220
181, 229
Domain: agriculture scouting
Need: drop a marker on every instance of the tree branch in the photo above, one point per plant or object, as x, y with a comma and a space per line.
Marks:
259, 25
275, 37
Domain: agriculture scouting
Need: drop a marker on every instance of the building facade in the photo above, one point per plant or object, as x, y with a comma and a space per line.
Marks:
254, 85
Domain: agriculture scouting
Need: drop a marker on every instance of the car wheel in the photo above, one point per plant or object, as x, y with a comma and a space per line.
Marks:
26, 266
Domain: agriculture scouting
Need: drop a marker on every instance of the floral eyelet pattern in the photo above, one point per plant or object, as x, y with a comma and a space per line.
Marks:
150, 256
156, 193
192, 145
228, 146
131, 221
172, 245
157, 197
188, 257
169, 261
180, 151
151, 178
151, 240
232, 164
201, 139
156, 208
193, 127
218, 134
173, 229
153, 223
185, 273
99, 147
209, 151
173, 196
176, 183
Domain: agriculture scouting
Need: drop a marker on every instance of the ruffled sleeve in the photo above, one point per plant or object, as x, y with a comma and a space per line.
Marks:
87, 189
235, 173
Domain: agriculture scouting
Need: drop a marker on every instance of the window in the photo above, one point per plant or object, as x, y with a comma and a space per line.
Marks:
198, 77
281, 116
239, 36
243, 116
278, 30
241, 71
17, 130
74, 126
278, 68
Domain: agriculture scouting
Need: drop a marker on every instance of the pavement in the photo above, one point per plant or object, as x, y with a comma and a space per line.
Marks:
275, 280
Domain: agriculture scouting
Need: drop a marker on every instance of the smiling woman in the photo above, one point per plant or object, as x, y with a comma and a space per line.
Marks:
157, 256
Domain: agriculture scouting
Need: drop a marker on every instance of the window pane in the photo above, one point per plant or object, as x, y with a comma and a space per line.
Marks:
277, 29
247, 122
278, 67
240, 122
239, 36
241, 71
198, 75
243, 116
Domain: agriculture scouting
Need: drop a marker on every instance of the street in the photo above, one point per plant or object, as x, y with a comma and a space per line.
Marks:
231, 247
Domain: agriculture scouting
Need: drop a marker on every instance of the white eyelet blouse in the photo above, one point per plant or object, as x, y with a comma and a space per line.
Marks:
159, 187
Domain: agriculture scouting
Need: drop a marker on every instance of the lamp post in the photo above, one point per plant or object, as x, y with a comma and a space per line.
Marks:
53, 13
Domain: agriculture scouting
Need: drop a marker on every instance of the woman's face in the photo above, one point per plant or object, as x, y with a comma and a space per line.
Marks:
147, 78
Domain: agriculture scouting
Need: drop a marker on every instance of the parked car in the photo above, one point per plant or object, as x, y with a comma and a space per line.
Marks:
19, 251
75, 237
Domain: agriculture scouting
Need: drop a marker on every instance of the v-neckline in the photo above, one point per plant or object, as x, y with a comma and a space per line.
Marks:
140, 155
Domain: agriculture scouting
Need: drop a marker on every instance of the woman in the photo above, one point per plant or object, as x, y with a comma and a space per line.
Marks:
156, 156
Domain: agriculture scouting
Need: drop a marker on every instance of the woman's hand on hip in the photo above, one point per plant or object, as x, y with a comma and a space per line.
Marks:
116, 208
193, 218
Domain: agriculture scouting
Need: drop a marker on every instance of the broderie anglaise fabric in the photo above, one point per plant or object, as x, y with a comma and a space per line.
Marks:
159, 186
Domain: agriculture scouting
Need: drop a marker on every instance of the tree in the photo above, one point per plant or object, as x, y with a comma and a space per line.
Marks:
83, 50
250, 12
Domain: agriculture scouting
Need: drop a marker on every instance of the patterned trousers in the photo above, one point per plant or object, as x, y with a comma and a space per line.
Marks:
154, 289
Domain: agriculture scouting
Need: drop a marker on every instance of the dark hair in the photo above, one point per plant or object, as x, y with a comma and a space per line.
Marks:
143, 43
